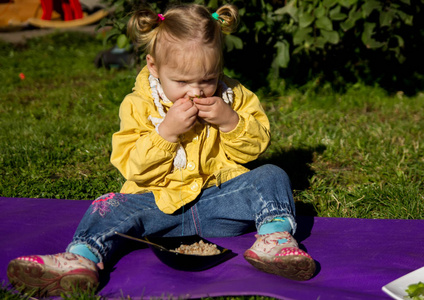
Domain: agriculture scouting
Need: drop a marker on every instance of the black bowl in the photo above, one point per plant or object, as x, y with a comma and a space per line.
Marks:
186, 262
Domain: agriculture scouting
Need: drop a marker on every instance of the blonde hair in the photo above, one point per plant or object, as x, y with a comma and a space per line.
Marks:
182, 24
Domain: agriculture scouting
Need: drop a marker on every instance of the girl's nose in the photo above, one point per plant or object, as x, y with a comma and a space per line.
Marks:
195, 92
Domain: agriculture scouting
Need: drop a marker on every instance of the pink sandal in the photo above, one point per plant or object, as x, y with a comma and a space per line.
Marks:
51, 275
278, 253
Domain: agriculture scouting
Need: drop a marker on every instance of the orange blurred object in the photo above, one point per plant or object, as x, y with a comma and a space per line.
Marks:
15, 14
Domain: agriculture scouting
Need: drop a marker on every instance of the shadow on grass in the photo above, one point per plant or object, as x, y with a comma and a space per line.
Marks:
297, 164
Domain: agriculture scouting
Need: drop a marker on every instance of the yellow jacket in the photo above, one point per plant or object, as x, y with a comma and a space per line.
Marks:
145, 159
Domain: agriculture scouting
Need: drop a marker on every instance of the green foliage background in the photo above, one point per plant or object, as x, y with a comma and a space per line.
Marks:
356, 154
376, 42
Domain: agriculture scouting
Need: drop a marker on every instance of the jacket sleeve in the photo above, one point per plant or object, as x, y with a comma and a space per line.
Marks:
138, 151
251, 136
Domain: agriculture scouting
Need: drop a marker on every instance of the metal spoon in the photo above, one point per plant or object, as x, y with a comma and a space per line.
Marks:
145, 241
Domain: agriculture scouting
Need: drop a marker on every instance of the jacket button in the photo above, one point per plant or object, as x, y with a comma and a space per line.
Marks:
195, 186
191, 166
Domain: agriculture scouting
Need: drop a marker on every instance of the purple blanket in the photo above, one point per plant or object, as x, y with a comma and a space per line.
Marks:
355, 257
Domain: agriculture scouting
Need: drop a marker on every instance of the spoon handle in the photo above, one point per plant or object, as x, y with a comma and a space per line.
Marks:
141, 240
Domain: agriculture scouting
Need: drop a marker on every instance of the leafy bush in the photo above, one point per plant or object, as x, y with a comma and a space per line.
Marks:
316, 25
374, 41
348, 38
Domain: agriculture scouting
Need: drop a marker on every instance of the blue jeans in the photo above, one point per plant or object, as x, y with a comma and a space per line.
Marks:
230, 209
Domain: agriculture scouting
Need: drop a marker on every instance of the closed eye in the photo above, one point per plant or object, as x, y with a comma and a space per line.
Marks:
209, 80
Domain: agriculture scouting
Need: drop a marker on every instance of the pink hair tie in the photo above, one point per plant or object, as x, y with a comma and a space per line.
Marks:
161, 17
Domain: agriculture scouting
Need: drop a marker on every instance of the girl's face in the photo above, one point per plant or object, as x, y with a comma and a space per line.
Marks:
184, 76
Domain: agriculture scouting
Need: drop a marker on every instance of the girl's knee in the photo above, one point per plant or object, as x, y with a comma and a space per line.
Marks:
105, 203
110, 197
273, 171
104, 197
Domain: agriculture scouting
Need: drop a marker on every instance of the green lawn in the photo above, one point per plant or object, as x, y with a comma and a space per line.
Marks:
356, 154
359, 154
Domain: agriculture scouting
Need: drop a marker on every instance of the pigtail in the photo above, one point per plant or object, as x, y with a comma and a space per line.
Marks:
228, 16
142, 28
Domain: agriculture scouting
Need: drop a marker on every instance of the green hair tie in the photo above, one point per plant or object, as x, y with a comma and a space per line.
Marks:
215, 16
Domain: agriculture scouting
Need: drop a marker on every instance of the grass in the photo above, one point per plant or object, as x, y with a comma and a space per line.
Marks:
57, 122
363, 151
359, 154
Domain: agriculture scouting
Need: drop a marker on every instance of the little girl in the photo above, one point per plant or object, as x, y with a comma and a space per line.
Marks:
186, 130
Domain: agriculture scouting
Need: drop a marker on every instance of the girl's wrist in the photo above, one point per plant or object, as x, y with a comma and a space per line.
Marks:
167, 136
231, 124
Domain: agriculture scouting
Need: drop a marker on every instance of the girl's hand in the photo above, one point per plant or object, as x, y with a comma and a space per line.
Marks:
215, 111
180, 118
